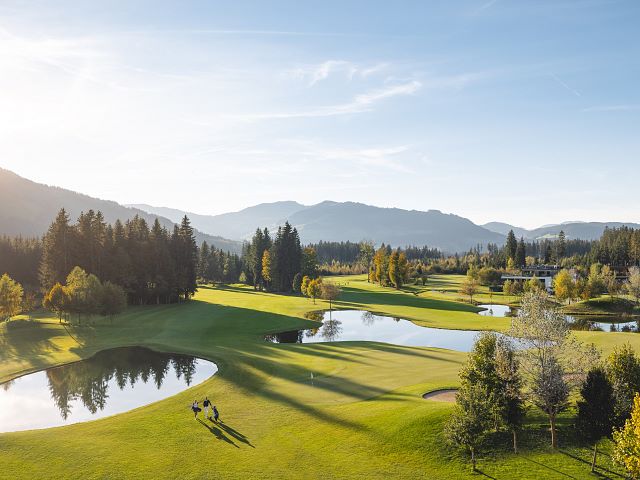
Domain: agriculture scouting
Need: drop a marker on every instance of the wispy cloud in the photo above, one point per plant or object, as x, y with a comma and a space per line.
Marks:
316, 73
564, 85
485, 6
359, 104
626, 107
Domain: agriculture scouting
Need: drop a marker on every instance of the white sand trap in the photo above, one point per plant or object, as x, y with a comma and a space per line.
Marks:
448, 395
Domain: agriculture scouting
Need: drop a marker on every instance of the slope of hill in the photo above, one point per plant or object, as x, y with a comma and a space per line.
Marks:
335, 221
582, 230
27, 208
239, 225
503, 229
573, 229
356, 221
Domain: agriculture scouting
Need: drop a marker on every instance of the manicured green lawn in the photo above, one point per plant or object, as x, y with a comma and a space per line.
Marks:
604, 305
362, 417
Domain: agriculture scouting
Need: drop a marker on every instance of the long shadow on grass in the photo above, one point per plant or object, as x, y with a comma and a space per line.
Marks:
232, 334
218, 433
29, 340
235, 434
598, 467
356, 296
549, 468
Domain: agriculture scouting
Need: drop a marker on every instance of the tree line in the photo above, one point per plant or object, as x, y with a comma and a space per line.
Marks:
280, 263
151, 264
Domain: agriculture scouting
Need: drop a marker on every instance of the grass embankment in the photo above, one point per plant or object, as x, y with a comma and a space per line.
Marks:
447, 287
604, 305
363, 416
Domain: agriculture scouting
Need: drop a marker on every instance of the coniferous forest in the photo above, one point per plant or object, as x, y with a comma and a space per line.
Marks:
152, 264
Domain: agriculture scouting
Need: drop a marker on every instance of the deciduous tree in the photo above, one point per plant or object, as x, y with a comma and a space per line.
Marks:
626, 450
10, 297
57, 300
329, 291
553, 361
470, 421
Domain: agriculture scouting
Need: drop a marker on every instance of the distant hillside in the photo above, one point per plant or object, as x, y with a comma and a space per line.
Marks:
503, 229
238, 225
575, 229
334, 221
27, 208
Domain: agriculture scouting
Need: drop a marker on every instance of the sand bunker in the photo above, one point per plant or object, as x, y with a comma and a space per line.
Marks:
448, 395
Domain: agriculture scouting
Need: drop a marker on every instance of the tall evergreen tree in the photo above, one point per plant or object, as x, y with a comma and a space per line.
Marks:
57, 251
521, 254
595, 410
187, 258
511, 246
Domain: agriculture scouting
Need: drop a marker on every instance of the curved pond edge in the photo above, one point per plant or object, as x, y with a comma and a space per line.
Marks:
24, 373
212, 366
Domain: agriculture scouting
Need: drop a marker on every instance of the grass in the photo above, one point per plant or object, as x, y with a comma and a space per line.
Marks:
447, 287
363, 416
604, 305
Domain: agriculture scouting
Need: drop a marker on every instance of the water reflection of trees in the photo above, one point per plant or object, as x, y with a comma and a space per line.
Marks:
368, 319
291, 336
331, 330
88, 381
316, 316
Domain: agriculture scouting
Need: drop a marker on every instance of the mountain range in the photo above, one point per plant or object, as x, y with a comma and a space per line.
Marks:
338, 221
574, 229
27, 208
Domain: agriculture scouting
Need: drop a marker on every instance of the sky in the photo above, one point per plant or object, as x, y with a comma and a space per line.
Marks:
526, 112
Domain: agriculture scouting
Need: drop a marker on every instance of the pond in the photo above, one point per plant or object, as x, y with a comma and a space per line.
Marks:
609, 323
605, 323
112, 381
495, 310
359, 325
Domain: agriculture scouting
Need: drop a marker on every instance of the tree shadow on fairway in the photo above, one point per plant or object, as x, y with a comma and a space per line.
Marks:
32, 340
549, 468
218, 433
480, 472
229, 288
598, 467
354, 296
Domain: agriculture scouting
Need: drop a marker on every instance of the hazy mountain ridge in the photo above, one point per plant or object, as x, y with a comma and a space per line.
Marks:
27, 208
341, 221
573, 229
238, 225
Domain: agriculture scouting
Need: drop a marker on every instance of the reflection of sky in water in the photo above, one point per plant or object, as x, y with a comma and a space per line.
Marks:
27, 402
494, 310
356, 325
610, 323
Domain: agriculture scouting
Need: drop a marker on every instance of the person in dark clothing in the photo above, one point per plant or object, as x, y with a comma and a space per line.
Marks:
195, 408
206, 404
216, 415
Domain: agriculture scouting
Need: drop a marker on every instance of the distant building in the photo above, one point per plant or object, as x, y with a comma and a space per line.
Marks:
544, 273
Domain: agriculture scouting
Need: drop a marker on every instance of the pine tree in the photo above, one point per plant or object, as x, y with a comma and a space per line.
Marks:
561, 247
511, 246
595, 410
521, 254
203, 261
187, 259
57, 250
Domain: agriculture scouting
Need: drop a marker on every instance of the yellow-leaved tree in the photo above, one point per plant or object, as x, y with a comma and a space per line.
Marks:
627, 442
